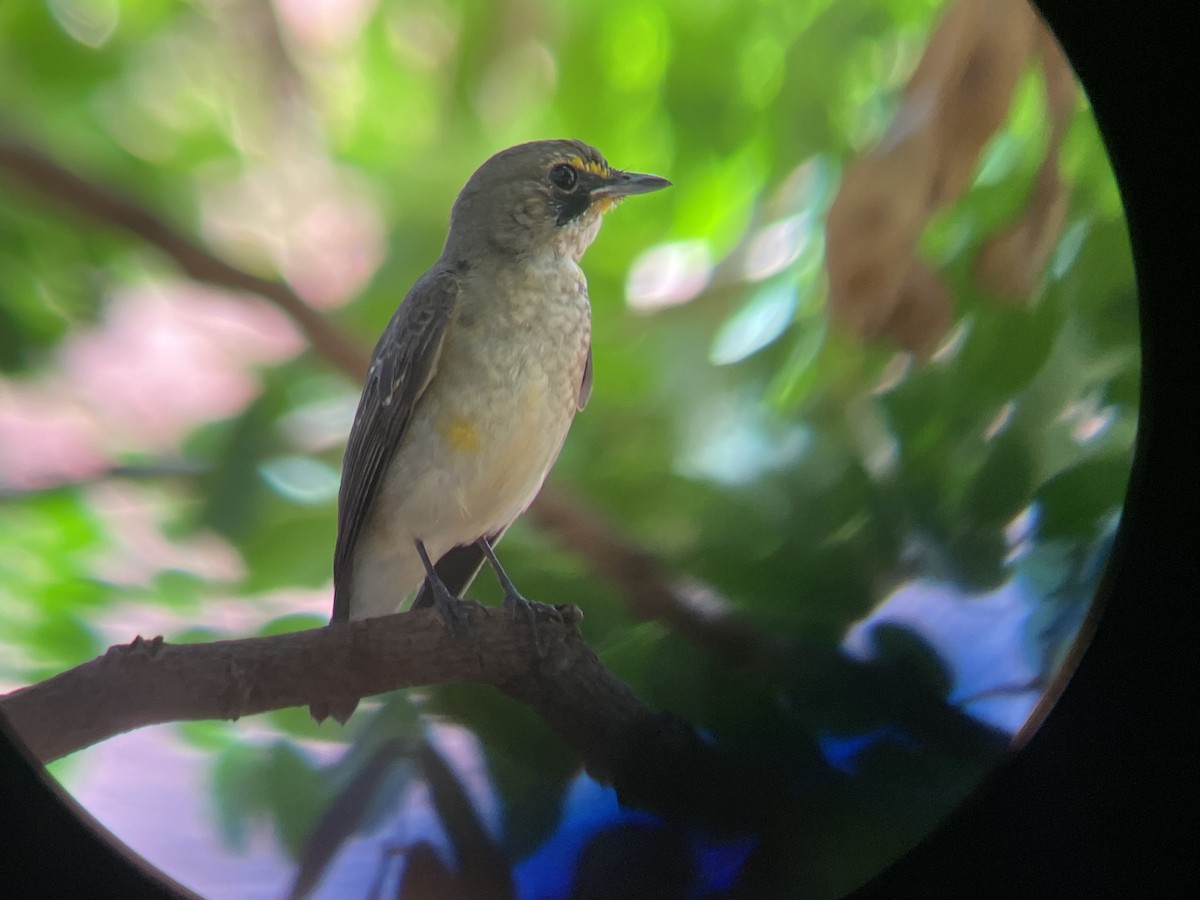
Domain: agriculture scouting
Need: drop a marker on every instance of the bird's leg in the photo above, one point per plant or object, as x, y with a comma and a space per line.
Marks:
449, 606
514, 602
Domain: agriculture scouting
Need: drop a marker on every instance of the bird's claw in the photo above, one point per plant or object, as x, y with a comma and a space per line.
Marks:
453, 613
515, 604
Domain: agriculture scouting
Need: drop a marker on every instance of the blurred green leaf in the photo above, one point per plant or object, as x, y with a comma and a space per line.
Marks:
213, 736
232, 490
292, 550
65, 638
294, 794
1125, 388
801, 374
758, 323
239, 793
1074, 503
197, 634
1002, 486
301, 479
292, 622
1003, 352
182, 590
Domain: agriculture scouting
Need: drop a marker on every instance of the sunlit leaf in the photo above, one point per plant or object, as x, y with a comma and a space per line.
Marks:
799, 375
758, 323
301, 479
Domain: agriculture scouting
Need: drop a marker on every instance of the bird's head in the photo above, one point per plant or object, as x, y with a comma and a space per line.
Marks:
540, 196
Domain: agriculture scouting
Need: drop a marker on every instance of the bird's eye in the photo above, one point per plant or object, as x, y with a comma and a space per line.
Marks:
564, 177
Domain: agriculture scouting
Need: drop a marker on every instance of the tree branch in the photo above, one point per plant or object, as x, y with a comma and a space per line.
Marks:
42, 175
149, 682
654, 759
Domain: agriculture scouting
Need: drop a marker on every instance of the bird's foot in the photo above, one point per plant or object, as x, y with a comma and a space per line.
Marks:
452, 611
518, 605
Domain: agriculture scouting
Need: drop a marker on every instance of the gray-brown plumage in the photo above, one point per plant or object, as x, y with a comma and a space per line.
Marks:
473, 385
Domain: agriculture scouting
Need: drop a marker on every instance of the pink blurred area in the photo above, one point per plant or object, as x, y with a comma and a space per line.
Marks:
133, 783
323, 24
166, 357
135, 517
316, 223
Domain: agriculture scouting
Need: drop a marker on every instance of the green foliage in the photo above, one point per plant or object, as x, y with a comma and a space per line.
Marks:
732, 433
47, 592
1076, 502
276, 783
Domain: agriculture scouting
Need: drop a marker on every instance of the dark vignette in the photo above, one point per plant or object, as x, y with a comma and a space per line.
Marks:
1092, 806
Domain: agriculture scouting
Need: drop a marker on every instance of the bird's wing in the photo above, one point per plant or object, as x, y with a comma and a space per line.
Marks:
402, 366
585, 388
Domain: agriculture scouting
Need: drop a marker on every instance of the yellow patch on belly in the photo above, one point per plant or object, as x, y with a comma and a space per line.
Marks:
461, 433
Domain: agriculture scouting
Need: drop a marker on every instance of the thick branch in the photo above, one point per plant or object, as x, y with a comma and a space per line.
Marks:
41, 174
654, 759
150, 682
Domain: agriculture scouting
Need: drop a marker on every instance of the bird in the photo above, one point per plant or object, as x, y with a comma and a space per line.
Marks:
472, 387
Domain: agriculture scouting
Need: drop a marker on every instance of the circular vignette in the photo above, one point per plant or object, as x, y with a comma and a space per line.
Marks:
1089, 805
50, 846
1061, 787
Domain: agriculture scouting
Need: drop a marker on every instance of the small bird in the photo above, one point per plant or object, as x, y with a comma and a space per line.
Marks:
473, 386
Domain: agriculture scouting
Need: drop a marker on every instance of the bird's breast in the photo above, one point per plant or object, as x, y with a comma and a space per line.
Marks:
518, 363
496, 414
526, 331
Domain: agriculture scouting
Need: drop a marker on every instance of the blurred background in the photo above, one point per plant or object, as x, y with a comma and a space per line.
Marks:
866, 386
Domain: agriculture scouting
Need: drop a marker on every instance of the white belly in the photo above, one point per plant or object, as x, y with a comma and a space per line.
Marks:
469, 469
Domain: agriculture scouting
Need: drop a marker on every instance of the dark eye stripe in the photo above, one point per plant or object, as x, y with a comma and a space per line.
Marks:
571, 206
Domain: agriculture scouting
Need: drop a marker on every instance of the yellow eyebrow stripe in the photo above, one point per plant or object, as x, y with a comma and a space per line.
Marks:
588, 165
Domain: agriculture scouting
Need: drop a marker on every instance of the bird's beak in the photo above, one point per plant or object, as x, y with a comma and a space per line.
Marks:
625, 184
